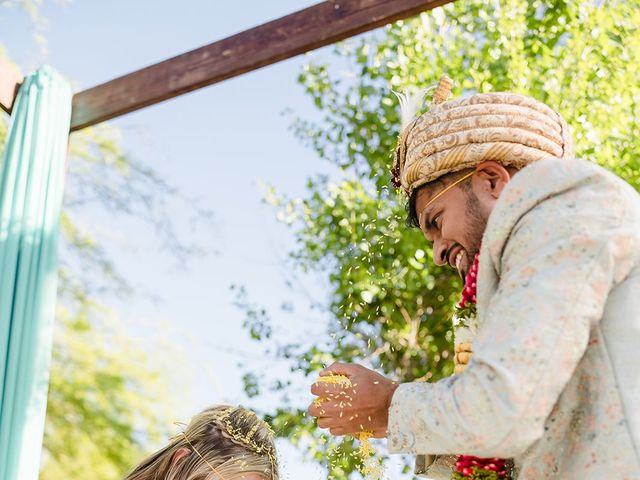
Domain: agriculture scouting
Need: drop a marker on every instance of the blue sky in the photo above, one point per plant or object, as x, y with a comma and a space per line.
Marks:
215, 144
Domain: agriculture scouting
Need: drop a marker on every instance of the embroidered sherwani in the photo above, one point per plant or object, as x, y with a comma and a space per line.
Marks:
554, 382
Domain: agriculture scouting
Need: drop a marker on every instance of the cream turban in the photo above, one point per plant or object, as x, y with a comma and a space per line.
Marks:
511, 129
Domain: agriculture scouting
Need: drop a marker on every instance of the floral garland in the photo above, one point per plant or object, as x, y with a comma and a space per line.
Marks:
465, 326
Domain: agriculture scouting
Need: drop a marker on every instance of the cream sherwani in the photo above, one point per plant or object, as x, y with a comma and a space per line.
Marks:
555, 378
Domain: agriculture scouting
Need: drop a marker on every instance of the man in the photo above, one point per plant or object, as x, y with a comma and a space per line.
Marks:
552, 381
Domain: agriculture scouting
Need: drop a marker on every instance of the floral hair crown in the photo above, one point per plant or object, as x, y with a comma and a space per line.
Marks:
230, 428
247, 439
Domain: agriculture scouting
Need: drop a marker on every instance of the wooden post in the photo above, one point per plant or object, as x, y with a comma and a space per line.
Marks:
305, 30
10, 81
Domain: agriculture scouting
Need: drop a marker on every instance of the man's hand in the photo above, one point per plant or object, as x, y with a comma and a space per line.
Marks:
347, 410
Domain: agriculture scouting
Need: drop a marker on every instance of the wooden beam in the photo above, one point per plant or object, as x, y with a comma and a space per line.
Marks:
300, 32
10, 81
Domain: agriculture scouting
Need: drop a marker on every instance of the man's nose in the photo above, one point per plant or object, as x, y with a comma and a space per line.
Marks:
440, 248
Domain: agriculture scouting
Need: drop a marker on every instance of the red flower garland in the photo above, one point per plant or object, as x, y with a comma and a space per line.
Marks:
476, 468
468, 466
470, 286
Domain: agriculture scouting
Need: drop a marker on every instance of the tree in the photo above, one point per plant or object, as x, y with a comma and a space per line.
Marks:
106, 402
389, 307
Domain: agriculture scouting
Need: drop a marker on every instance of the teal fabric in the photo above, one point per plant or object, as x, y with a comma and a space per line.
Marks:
31, 186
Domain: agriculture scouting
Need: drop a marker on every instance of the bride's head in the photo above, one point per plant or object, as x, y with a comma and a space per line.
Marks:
220, 443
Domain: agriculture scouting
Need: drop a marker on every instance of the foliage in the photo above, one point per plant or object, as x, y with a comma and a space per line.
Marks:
106, 403
38, 21
103, 400
389, 307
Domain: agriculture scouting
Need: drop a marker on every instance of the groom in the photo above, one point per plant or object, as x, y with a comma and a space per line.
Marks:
553, 380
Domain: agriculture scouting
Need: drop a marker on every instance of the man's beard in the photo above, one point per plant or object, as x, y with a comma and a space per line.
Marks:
476, 220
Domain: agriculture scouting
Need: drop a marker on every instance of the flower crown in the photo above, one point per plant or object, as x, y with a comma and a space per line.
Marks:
229, 428
248, 439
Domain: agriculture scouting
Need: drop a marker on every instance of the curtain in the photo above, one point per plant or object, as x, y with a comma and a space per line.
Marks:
31, 187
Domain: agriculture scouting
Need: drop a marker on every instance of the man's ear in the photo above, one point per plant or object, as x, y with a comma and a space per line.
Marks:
492, 178
179, 455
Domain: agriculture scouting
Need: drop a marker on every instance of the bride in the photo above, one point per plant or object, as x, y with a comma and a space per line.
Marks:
220, 443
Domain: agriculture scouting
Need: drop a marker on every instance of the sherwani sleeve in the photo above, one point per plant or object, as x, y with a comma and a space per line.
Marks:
555, 271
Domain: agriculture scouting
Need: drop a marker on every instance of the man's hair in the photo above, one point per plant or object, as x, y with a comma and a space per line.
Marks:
436, 185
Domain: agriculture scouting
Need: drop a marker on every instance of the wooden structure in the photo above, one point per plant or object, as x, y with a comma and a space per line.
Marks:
297, 33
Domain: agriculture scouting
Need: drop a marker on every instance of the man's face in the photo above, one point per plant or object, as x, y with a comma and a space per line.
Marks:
455, 221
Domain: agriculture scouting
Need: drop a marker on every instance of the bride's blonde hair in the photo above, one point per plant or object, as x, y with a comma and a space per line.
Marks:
223, 442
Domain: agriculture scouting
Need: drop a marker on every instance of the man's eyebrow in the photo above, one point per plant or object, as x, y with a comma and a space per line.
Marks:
425, 214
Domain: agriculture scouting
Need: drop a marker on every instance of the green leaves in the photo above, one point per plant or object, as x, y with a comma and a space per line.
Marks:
389, 306
105, 400
103, 407
256, 321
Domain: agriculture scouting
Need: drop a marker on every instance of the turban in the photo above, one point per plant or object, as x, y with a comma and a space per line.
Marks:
508, 128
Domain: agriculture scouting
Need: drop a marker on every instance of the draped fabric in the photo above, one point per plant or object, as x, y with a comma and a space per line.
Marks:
31, 187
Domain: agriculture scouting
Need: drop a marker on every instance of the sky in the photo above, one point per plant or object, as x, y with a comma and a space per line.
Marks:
217, 145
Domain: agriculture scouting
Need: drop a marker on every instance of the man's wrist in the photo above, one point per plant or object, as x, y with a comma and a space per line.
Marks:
394, 387
392, 390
